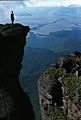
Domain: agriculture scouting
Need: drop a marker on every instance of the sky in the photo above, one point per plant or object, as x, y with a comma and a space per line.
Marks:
52, 2
21, 6
6, 6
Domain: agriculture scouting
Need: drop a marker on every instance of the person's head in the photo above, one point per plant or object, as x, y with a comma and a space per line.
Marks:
11, 11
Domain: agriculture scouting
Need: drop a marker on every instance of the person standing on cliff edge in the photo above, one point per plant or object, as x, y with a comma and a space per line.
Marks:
12, 17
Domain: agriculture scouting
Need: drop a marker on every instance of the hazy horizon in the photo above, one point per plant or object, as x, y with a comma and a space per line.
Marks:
23, 9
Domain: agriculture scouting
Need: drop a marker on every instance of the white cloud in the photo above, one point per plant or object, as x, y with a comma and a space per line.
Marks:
22, 6
38, 3
6, 7
71, 2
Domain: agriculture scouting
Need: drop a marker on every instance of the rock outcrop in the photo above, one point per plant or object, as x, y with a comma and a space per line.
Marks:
60, 89
14, 102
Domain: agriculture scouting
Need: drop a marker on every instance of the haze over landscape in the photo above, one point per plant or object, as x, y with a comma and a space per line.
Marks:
21, 7
55, 30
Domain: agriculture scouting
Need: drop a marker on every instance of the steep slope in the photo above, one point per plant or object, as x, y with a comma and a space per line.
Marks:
14, 103
60, 89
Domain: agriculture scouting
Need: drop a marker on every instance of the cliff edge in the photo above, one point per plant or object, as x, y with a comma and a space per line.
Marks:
60, 89
14, 102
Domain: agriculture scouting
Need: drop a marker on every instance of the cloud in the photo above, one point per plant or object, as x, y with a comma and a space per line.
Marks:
22, 6
19, 6
38, 3
8, 6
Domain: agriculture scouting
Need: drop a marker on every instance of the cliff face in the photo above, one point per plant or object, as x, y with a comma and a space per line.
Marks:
60, 89
14, 103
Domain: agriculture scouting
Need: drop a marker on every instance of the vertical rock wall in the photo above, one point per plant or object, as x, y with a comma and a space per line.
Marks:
14, 102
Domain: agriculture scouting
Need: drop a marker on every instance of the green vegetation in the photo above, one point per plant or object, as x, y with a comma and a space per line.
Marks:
57, 114
70, 82
53, 72
72, 87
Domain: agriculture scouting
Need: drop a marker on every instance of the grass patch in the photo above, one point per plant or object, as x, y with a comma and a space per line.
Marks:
72, 86
57, 114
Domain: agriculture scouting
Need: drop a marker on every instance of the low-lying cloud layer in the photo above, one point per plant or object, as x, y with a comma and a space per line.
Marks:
22, 6
7, 6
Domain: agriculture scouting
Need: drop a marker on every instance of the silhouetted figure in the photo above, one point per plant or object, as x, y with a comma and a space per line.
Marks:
12, 17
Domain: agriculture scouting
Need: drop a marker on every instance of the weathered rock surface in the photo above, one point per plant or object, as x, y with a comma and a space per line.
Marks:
14, 102
60, 86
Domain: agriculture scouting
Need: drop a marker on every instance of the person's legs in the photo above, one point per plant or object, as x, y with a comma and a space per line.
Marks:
12, 22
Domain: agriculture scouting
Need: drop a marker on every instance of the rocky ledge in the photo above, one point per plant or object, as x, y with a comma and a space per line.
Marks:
14, 102
60, 89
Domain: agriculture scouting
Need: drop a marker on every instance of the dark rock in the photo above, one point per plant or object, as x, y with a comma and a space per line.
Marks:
56, 92
71, 62
68, 65
12, 42
77, 53
50, 93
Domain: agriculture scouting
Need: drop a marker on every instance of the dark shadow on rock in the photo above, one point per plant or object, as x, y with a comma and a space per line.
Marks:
12, 42
56, 92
